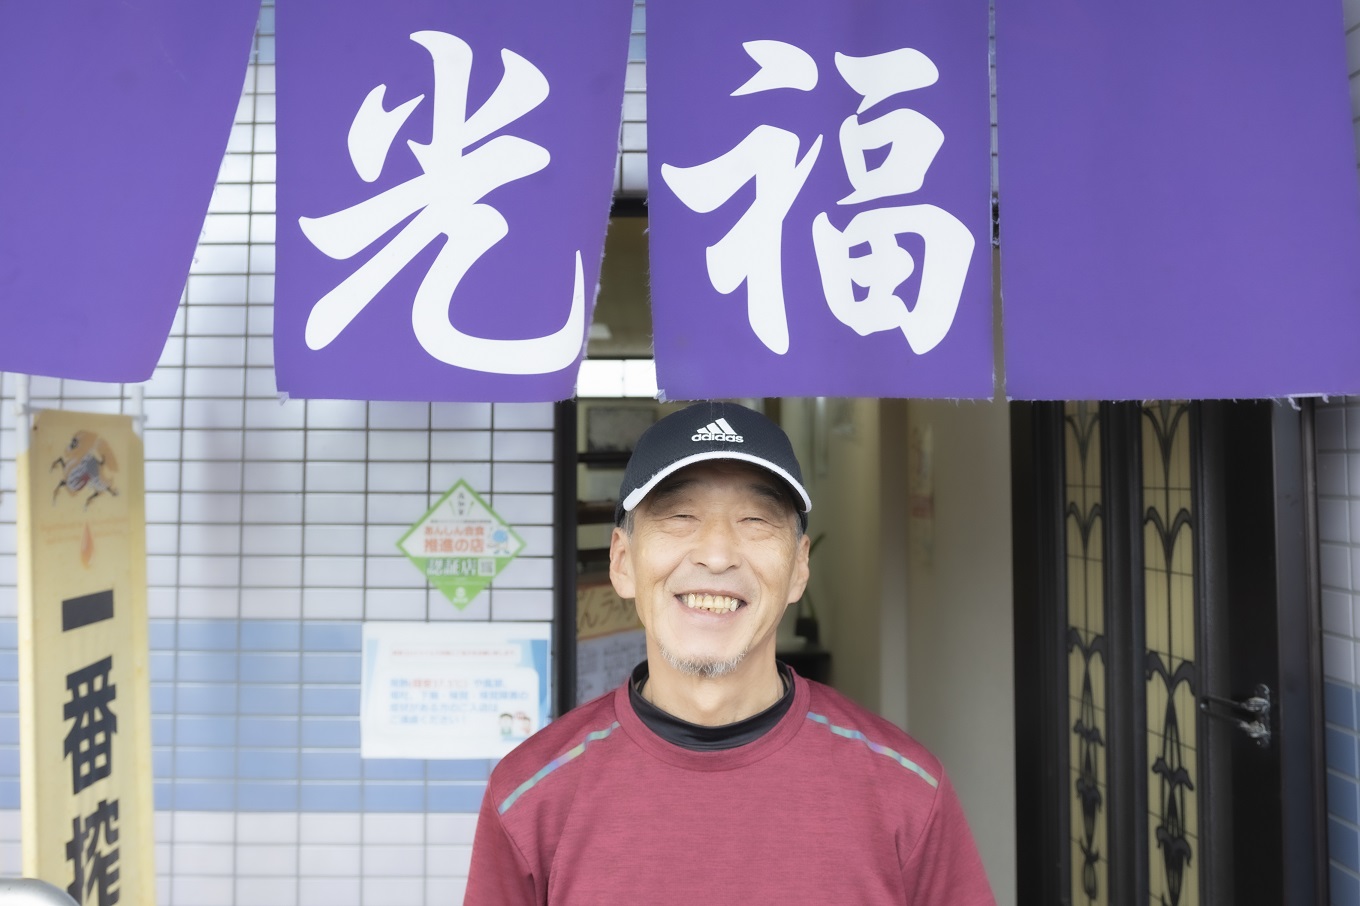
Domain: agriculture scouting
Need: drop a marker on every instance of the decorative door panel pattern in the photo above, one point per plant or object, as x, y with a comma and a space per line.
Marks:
1086, 653
1172, 682
1162, 573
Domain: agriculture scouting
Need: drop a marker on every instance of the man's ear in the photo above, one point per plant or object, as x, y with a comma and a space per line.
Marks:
621, 565
801, 571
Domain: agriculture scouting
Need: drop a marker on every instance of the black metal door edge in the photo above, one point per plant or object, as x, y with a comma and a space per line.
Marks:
1300, 642
1040, 662
1126, 628
564, 556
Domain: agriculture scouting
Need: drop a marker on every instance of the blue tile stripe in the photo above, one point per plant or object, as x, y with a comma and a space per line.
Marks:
1339, 705
556, 763
1345, 887
262, 716
875, 747
1343, 791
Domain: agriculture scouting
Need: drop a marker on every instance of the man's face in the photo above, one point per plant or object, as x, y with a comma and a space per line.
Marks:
713, 561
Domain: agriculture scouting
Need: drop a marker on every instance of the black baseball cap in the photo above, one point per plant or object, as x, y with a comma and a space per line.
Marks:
709, 431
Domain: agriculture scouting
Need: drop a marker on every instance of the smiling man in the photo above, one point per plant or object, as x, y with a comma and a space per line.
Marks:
716, 774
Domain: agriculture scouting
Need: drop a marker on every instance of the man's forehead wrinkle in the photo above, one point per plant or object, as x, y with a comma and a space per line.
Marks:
773, 492
671, 487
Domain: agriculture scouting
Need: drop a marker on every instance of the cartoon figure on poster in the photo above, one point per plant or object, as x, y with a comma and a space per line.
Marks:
524, 725
500, 543
516, 726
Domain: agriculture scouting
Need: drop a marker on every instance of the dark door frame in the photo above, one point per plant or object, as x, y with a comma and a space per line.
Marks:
1297, 581
1282, 435
564, 557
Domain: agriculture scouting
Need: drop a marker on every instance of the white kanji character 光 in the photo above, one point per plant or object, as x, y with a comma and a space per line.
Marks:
446, 201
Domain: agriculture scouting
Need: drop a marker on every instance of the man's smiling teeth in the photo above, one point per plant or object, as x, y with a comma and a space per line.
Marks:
711, 603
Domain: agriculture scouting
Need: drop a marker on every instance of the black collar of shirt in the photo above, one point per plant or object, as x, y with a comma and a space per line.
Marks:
708, 739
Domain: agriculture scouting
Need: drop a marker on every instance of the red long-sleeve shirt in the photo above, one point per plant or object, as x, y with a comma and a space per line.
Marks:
832, 805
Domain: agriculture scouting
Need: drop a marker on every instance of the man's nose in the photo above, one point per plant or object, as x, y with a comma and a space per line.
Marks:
717, 546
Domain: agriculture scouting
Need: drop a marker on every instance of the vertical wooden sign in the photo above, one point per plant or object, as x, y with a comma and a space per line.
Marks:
84, 691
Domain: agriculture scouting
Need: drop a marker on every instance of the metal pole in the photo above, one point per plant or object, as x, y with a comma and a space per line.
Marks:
139, 409
23, 422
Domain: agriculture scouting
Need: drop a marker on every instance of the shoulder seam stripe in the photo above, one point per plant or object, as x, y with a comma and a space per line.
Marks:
875, 747
553, 765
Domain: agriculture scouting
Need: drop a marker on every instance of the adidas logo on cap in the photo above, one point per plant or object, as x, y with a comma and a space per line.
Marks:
719, 430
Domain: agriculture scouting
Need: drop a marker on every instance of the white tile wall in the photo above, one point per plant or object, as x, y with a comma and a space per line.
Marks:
282, 891
631, 170
1338, 445
284, 858
11, 862
330, 860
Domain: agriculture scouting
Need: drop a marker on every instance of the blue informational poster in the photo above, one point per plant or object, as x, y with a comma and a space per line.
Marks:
453, 690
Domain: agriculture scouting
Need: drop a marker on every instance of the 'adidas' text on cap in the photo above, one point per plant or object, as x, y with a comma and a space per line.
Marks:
718, 430
709, 431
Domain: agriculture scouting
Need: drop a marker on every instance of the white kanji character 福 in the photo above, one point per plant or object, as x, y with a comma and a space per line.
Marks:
752, 251
912, 140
